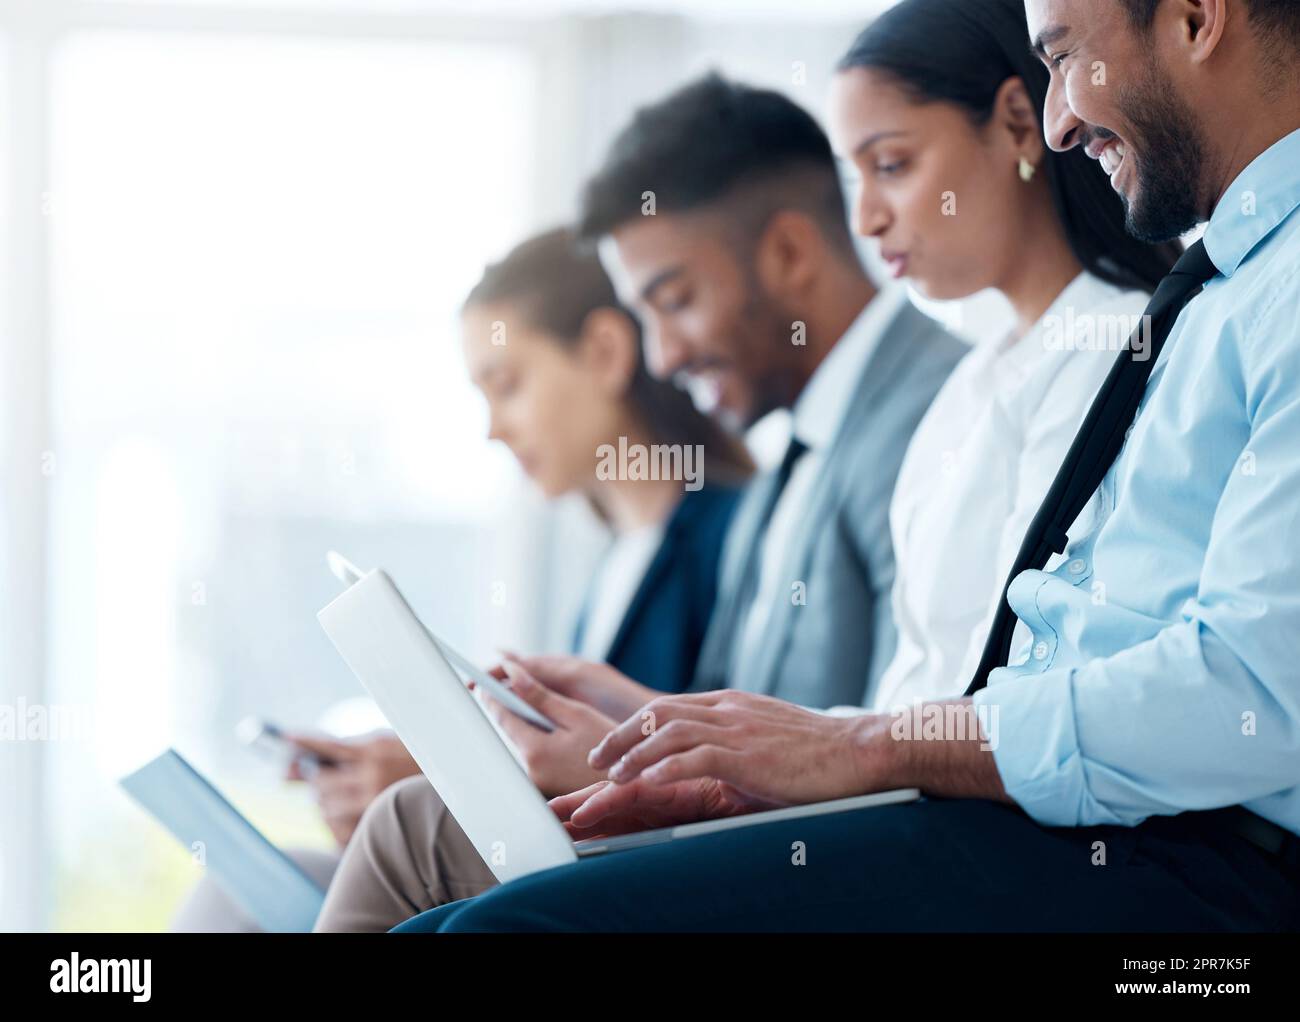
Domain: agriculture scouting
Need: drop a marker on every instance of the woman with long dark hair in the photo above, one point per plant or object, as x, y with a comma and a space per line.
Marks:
938, 106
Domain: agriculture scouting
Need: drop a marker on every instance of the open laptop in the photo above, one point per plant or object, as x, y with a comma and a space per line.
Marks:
456, 745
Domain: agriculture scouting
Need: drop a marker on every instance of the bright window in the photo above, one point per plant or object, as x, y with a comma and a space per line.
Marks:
258, 249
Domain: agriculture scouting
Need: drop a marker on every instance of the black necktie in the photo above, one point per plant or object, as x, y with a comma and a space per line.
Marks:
1096, 446
747, 593
793, 453
748, 587
720, 654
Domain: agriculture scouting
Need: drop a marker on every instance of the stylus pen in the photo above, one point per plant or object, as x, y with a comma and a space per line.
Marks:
513, 702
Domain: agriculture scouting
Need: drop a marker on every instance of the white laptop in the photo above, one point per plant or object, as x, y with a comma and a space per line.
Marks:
456, 745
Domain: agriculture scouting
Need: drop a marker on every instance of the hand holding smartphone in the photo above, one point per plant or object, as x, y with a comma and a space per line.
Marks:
271, 740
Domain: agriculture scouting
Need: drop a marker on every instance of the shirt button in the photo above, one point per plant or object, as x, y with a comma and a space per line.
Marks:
1040, 651
1078, 567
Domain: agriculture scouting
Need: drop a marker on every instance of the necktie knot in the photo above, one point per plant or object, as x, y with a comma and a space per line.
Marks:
1195, 264
796, 450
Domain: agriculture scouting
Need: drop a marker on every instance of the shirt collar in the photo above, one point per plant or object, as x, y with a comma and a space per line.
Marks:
1262, 197
825, 399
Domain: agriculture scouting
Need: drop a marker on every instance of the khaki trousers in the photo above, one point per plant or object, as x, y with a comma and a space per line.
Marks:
407, 855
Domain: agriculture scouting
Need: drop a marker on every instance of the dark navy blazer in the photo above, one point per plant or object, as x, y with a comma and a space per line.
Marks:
661, 634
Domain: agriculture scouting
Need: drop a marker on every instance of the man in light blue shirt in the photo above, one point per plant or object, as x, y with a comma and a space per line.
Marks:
1162, 674
1139, 767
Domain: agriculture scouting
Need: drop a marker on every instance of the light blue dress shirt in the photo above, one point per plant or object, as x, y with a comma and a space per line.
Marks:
1164, 670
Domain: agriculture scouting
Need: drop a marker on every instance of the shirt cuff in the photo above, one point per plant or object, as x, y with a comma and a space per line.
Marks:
1036, 747
845, 711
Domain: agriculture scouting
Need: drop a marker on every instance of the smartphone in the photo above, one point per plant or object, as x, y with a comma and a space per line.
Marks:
270, 740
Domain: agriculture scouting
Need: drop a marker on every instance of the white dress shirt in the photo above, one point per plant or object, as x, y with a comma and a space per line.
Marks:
618, 578
977, 470
816, 418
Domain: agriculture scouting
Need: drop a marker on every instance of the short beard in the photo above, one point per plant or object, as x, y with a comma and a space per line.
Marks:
1171, 142
768, 329
786, 375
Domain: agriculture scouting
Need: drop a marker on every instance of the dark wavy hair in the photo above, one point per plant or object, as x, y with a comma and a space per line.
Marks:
1268, 17
555, 281
712, 141
962, 53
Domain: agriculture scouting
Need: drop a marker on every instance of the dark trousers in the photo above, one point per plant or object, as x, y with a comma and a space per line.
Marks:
935, 865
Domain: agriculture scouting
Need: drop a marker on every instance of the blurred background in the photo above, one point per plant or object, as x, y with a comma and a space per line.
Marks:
235, 238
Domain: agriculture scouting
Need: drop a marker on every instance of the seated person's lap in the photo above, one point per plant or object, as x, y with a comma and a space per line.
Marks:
933, 865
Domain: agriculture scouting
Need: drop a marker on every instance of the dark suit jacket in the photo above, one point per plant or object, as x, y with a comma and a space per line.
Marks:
660, 637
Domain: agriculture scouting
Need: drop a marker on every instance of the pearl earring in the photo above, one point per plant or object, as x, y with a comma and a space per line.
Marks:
1027, 170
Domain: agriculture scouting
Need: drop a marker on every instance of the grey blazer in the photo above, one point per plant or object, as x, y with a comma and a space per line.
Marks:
829, 640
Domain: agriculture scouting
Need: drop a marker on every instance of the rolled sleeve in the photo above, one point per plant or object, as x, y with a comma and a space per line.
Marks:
1178, 691
1037, 747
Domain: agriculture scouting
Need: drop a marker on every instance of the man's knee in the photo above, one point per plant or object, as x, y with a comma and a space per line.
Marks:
412, 795
404, 805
